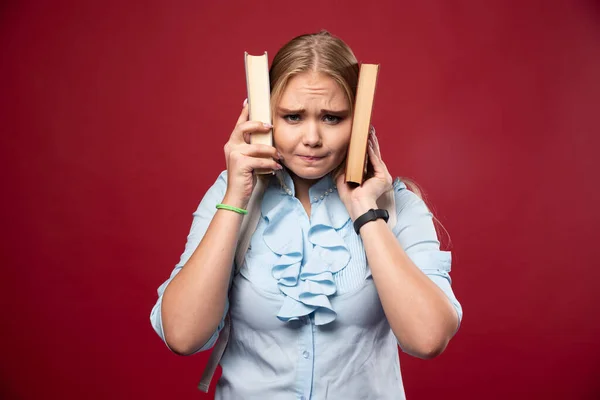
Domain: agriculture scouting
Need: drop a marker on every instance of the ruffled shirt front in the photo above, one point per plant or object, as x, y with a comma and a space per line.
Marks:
305, 263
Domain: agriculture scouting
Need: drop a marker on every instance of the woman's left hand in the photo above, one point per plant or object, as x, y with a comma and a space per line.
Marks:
360, 199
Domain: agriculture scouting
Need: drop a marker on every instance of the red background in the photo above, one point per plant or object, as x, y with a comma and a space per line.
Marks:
113, 118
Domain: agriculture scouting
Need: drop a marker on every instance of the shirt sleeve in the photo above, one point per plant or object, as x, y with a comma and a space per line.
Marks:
201, 219
416, 233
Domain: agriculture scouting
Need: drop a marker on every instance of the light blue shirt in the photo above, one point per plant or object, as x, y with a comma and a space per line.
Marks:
307, 322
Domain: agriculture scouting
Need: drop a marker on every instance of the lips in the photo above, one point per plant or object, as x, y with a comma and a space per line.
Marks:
311, 158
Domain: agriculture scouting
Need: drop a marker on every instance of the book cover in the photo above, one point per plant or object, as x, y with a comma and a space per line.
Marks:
259, 97
356, 161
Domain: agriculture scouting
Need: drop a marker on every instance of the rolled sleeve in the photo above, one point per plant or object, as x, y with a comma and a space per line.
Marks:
416, 233
201, 219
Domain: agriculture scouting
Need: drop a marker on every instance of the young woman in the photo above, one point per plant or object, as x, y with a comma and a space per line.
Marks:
317, 309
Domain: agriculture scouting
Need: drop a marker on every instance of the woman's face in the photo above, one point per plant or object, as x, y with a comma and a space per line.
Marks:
312, 124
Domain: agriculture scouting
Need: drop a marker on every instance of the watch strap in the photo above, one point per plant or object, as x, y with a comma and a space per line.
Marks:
369, 216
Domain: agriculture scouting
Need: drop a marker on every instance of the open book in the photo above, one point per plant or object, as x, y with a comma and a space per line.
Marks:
259, 98
356, 161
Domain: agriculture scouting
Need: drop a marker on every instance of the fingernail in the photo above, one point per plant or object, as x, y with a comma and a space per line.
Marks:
278, 166
267, 125
245, 102
278, 155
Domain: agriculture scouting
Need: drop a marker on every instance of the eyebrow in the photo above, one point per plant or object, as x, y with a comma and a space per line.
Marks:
284, 110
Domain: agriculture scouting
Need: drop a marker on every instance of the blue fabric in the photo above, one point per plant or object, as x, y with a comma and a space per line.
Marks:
306, 318
307, 282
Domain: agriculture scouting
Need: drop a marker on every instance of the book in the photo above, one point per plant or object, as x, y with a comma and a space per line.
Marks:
259, 98
356, 160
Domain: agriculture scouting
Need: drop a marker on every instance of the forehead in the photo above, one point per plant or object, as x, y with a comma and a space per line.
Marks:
313, 86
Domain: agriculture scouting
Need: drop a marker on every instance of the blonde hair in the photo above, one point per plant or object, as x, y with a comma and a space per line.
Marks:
318, 52
327, 54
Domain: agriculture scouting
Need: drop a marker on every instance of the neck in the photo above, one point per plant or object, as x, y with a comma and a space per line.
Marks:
301, 185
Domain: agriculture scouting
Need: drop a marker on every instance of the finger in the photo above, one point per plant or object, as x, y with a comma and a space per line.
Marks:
374, 158
241, 119
253, 163
340, 179
371, 141
341, 184
259, 150
379, 167
375, 139
375, 143
242, 132
244, 115
372, 134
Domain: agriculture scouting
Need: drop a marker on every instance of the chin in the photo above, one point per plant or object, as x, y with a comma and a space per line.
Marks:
310, 173
312, 177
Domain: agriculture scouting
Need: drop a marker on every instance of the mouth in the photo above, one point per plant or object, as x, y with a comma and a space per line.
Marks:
311, 158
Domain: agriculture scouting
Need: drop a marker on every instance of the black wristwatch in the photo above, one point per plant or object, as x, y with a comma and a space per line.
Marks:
369, 216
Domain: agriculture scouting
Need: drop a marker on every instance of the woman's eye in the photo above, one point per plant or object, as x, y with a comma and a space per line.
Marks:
292, 117
332, 119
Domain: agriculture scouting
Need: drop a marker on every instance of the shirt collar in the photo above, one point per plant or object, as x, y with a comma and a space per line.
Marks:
317, 192
331, 212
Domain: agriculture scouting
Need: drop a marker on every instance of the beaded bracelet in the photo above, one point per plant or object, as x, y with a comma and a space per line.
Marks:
232, 208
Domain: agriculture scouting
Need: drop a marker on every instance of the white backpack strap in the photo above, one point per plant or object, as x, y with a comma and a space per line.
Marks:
249, 224
215, 356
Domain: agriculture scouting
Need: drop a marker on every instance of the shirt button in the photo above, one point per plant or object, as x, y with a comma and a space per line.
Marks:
322, 197
305, 354
315, 198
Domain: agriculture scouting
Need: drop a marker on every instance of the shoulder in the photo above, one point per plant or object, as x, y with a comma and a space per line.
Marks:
220, 183
222, 178
214, 194
407, 200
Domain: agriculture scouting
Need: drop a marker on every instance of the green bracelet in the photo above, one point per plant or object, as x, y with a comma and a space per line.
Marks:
232, 208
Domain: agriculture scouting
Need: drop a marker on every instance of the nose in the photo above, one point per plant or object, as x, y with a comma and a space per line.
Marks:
312, 135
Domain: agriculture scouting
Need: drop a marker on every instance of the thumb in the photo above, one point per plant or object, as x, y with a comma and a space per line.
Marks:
340, 182
341, 179
244, 114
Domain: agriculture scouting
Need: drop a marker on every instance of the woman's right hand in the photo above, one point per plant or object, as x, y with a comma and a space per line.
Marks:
243, 158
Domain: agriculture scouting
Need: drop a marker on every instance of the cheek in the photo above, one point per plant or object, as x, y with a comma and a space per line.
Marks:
281, 138
342, 141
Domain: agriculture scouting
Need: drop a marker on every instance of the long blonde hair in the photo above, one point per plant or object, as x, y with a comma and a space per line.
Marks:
324, 53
